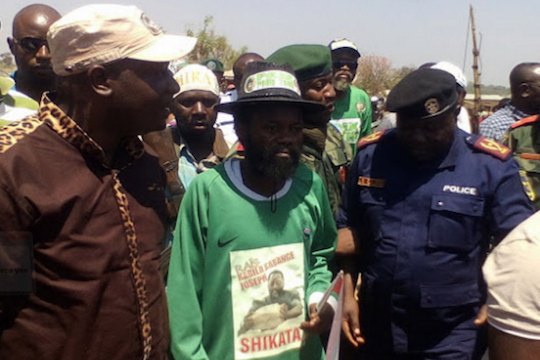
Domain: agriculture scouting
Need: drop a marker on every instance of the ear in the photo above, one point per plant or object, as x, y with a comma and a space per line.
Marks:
524, 90
11, 43
242, 130
99, 80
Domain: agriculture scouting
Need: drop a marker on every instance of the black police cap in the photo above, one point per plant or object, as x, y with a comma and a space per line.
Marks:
423, 94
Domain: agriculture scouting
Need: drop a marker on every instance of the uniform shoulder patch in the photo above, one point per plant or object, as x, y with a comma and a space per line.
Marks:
370, 139
493, 148
525, 121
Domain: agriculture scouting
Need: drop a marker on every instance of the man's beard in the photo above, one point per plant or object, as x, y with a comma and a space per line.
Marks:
268, 164
342, 83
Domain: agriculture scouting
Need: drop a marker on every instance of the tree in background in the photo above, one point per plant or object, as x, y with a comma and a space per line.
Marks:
7, 63
211, 45
376, 75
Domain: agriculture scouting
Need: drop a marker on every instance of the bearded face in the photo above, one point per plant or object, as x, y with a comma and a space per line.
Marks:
342, 80
272, 138
276, 161
345, 64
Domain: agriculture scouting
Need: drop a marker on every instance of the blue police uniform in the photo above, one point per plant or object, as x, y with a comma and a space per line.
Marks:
425, 230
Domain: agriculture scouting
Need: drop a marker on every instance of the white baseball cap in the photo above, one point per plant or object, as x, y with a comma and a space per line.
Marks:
343, 43
452, 69
100, 34
196, 77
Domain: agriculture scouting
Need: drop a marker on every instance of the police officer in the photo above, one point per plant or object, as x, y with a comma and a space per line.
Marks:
324, 151
421, 203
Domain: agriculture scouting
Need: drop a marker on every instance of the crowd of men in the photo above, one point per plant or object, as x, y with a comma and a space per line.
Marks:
150, 211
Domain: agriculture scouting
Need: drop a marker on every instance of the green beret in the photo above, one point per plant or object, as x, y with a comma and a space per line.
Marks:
423, 94
213, 64
308, 61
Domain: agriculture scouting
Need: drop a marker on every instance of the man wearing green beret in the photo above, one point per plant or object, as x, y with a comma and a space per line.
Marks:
324, 150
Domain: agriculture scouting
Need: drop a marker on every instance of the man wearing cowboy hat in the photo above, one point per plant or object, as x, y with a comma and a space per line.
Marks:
324, 150
242, 221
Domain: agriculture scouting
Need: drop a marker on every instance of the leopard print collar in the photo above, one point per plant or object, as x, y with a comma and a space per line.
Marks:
68, 129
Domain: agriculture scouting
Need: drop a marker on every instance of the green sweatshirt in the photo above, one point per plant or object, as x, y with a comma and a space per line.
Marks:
352, 115
241, 276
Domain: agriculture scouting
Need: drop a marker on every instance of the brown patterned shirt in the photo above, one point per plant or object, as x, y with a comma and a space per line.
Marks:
97, 233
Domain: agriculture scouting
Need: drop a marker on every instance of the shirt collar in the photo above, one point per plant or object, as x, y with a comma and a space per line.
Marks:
70, 131
453, 154
518, 114
399, 155
211, 161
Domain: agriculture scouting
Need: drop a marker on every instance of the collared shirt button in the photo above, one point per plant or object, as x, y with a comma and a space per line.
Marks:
440, 203
429, 299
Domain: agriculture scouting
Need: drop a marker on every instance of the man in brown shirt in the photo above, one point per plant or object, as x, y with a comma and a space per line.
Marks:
77, 182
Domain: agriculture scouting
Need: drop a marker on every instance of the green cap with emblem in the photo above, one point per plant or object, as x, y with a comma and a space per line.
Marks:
308, 61
423, 94
213, 64
269, 83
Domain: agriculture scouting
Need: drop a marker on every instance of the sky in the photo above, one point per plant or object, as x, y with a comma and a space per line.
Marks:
408, 32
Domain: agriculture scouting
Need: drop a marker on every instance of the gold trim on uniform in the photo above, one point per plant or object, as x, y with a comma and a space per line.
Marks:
493, 147
370, 182
371, 138
527, 185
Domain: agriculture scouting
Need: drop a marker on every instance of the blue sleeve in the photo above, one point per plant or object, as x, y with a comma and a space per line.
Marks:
511, 205
347, 215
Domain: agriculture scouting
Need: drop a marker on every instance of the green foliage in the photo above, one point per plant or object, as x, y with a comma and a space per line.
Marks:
212, 45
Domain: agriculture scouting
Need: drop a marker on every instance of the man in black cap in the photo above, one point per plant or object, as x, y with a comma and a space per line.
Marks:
324, 150
243, 220
421, 204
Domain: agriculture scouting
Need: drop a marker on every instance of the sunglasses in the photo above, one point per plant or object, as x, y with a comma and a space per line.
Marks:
31, 45
341, 63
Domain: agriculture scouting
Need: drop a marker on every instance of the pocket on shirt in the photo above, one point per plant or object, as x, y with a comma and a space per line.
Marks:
439, 296
454, 221
373, 204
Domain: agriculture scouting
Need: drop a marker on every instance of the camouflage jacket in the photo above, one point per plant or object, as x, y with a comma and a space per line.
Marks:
331, 164
523, 138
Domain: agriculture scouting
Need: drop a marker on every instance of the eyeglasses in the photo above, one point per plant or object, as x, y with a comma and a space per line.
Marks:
349, 63
31, 45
